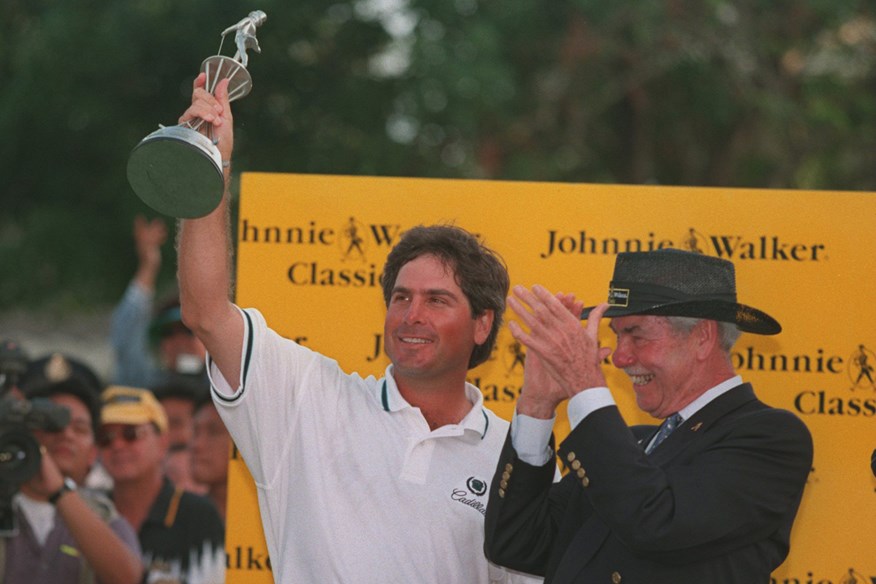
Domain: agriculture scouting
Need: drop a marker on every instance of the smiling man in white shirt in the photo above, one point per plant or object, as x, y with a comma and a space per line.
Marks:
360, 480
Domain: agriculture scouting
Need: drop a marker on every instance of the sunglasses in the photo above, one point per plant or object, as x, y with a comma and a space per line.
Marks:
129, 434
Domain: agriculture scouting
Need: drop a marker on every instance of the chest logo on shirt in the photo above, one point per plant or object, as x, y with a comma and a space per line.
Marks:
475, 488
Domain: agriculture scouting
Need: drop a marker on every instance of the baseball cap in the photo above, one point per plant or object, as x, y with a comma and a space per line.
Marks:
132, 406
166, 320
57, 367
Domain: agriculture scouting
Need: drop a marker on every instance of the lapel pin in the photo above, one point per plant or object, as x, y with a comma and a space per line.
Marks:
696, 426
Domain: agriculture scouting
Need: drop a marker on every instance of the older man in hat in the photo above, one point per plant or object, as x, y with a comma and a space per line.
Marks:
181, 533
709, 496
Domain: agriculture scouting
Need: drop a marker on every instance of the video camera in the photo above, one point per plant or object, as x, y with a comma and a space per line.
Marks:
20, 456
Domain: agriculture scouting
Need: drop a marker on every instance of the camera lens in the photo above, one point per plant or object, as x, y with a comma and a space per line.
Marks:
19, 455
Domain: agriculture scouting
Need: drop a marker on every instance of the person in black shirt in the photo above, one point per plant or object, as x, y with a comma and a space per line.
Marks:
181, 533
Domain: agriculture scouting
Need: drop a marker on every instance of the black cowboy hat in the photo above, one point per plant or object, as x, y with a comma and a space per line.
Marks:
671, 282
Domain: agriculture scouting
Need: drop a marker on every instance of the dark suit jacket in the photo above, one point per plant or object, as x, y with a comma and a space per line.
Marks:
713, 504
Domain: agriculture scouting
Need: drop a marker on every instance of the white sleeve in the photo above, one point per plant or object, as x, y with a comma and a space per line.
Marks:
531, 438
586, 402
280, 381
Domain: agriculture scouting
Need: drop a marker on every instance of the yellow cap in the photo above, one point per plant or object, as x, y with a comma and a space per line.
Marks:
132, 406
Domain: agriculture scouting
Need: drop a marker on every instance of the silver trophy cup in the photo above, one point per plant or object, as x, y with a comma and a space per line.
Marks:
177, 170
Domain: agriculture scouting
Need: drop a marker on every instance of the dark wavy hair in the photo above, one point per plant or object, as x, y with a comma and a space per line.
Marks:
478, 270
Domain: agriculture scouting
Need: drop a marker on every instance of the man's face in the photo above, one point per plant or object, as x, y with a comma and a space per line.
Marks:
179, 420
131, 452
181, 351
429, 330
73, 449
211, 445
658, 360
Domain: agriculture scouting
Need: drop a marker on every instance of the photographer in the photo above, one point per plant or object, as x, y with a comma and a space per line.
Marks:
65, 534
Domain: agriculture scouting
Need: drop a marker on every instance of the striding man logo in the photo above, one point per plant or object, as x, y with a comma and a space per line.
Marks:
854, 577
513, 357
694, 241
352, 241
861, 369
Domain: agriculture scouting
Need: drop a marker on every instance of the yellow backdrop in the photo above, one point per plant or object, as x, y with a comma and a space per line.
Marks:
310, 251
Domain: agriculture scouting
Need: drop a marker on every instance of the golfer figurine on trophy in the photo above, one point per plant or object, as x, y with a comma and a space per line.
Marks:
177, 170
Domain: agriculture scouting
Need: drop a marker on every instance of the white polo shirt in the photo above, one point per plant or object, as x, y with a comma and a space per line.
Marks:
353, 486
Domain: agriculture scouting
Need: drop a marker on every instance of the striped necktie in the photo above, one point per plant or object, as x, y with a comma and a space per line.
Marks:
666, 428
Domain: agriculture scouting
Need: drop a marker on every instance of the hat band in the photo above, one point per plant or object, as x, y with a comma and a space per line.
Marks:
623, 294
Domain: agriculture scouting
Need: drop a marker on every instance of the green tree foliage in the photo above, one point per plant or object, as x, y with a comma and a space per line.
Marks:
707, 92
85, 80
691, 92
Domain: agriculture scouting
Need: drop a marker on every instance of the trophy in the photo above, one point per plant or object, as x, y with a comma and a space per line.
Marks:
177, 170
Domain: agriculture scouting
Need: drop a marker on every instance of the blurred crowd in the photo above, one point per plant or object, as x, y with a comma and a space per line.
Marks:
119, 480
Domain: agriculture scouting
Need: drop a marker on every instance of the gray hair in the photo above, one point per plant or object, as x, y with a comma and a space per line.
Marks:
728, 332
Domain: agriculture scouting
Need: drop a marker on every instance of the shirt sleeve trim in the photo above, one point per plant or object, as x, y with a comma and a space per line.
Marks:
247, 358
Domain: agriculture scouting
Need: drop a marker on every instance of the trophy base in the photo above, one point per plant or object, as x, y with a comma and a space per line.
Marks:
178, 172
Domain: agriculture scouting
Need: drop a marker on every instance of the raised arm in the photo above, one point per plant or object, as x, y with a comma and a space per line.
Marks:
205, 251
149, 236
130, 319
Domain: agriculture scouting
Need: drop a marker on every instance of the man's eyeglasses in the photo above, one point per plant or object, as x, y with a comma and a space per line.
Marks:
129, 434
